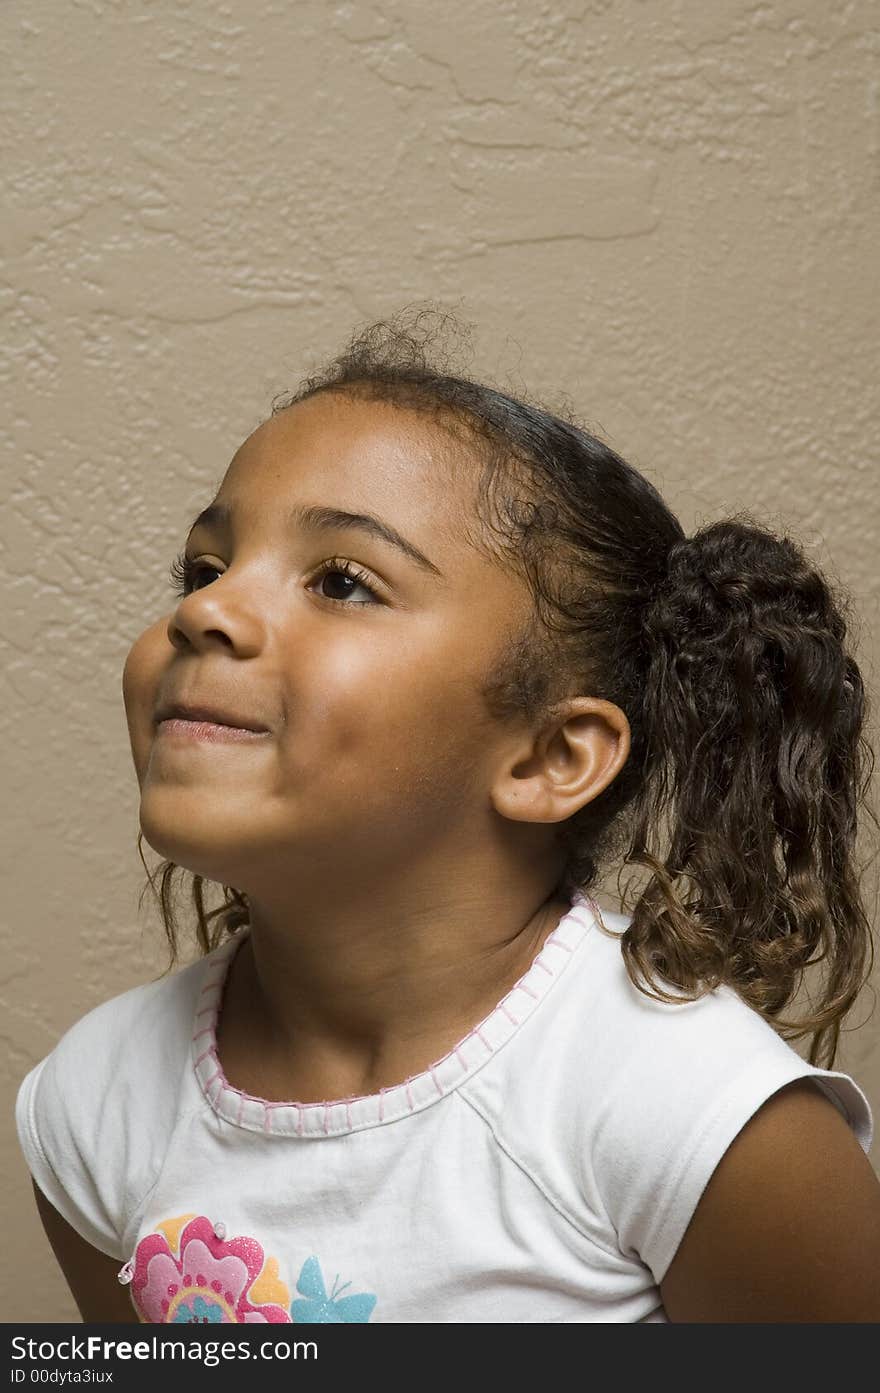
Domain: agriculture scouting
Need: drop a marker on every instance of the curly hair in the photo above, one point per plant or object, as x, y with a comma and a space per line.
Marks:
725, 650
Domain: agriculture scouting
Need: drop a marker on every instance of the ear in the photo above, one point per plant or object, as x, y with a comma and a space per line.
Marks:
576, 754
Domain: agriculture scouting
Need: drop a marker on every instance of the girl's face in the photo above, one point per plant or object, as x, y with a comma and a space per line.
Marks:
379, 751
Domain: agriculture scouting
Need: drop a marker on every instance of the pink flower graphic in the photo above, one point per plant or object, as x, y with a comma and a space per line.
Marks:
208, 1282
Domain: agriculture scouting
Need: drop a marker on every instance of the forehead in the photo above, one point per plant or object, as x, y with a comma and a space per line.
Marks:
363, 456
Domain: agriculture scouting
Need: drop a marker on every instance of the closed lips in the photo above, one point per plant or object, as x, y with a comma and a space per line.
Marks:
214, 714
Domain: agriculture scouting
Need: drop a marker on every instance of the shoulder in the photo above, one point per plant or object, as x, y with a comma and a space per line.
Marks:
128, 1039
679, 1082
94, 1116
623, 1105
701, 1060
600, 1052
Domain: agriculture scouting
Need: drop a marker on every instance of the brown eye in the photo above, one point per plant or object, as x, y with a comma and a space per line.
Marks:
351, 577
184, 573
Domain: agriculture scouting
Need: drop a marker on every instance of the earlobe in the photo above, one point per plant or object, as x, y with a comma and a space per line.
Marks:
569, 763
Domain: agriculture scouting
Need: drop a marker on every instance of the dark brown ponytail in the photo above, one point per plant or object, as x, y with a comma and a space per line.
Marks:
755, 759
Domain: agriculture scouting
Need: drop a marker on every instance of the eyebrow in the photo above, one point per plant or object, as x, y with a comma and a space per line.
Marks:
317, 518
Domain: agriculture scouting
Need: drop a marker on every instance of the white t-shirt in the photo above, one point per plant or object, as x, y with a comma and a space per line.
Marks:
544, 1170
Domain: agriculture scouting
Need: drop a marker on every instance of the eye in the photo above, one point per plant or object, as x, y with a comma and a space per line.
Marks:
338, 566
184, 573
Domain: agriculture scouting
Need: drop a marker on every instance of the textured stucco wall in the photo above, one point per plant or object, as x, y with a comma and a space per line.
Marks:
667, 212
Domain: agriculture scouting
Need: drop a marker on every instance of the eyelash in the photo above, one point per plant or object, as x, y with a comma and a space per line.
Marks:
184, 571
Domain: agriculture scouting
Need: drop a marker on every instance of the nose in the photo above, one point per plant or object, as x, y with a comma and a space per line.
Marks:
203, 621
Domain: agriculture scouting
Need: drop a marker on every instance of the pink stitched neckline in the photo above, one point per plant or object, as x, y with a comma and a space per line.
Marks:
337, 1116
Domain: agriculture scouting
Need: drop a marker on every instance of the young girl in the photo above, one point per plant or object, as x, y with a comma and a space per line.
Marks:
438, 656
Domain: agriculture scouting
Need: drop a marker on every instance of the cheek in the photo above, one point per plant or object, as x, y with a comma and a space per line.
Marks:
402, 726
382, 694
140, 685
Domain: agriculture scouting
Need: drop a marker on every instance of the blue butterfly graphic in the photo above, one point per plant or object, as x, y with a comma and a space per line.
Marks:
321, 1309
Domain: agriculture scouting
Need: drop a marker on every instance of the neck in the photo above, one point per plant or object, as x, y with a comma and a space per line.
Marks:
354, 994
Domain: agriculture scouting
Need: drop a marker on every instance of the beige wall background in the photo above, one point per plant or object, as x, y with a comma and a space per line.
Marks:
665, 209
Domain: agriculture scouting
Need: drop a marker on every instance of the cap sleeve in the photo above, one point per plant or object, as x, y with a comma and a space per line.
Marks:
53, 1134
95, 1117
683, 1105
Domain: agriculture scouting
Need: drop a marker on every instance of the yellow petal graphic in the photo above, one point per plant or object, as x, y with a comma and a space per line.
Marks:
269, 1289
172, 1227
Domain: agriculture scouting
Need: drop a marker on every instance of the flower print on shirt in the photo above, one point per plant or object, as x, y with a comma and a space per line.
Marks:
190, 1273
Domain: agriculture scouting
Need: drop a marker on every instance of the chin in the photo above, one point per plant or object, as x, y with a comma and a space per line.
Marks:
178, 844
